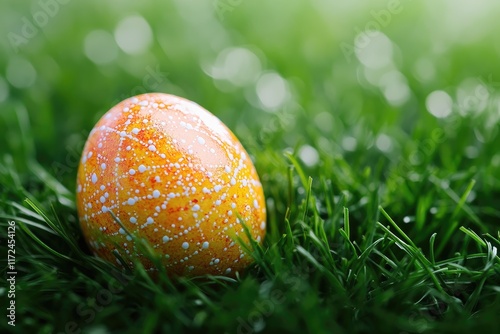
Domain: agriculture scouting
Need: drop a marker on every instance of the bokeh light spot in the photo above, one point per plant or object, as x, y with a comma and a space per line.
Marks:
349, 143
20, 73
309, 155
100, 47
439, 104
133, 34
239, 66
272, 91
373, 49
395, 88
384, 143
324, 121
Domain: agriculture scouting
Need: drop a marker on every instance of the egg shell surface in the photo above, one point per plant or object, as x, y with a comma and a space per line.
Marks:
174, 175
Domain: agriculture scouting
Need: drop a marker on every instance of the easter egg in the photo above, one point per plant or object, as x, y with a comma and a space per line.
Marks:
161, 169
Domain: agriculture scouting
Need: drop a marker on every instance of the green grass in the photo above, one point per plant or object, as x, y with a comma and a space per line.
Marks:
397, 232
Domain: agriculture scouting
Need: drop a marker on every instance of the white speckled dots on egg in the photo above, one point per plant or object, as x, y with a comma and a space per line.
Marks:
174, 175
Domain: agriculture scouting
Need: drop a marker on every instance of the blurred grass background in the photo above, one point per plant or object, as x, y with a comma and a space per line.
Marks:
400, 96
228, 55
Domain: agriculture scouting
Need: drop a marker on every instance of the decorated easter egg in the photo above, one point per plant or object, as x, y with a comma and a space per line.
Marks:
161, 169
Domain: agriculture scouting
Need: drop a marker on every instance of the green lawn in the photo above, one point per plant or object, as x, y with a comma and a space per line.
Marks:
374, 129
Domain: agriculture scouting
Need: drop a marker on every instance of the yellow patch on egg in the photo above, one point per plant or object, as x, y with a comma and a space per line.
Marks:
174, 175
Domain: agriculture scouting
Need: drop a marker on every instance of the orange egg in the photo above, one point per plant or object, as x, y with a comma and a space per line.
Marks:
173, 174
